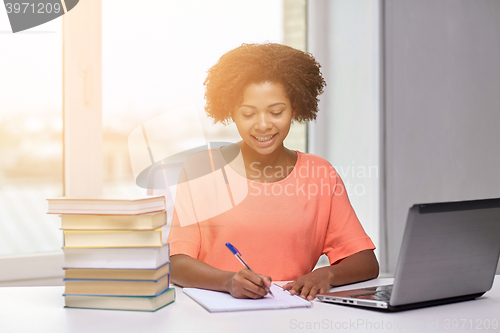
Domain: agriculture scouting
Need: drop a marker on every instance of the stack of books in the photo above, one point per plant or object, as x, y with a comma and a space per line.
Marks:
115, 253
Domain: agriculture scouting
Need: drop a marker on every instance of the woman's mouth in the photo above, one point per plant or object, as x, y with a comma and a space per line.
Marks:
264, 141
264, 138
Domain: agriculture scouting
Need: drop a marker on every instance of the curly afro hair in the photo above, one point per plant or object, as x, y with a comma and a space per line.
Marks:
297, 71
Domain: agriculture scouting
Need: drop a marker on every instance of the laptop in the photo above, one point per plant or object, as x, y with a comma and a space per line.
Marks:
449, 253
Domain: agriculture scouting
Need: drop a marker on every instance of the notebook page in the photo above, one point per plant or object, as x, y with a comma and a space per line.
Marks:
216, 301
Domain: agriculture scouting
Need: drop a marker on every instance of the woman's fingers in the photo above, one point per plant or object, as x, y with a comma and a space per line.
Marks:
251, 285
288, 286
267, 280
305, 290
308, 286
247, 284
260, 282
297, 287
312, 293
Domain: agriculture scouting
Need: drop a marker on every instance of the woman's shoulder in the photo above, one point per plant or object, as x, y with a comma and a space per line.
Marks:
306, 158
315, 165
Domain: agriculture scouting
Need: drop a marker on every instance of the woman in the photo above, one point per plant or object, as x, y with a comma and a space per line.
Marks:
295, 207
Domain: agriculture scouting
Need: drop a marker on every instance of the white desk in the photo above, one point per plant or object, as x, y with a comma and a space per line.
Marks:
40, 309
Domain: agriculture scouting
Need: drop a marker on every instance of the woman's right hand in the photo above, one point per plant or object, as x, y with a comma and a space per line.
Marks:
247, 284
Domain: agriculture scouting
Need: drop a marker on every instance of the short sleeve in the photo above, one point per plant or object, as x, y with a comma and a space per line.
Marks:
345, 234
184, 238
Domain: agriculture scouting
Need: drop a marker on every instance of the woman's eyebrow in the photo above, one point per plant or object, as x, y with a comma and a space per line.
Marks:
254, 107
248, 106
274, 104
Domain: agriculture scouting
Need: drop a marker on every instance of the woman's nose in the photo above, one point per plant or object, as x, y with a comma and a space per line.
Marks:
263, 122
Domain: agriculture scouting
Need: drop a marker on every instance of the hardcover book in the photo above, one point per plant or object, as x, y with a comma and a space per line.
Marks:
117, 287
121, 258
116, 274
113, 222
107, 205
115, 238
131, 303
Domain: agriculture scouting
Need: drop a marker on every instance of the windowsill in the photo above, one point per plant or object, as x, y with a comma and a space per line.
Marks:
31, 270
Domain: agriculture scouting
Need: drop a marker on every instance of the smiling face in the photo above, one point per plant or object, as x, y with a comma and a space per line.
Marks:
264, 117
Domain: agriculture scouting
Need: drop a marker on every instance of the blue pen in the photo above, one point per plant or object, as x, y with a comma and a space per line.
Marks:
238, 256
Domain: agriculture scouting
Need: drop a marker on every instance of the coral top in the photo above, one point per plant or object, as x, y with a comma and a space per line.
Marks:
280, 228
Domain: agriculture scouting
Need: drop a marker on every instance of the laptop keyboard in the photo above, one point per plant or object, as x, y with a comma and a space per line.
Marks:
382, 293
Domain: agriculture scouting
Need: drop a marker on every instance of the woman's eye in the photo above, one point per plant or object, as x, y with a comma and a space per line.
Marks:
247, 115
276, 113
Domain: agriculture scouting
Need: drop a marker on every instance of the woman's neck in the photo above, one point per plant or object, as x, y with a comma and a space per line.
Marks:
251, 157
270, 167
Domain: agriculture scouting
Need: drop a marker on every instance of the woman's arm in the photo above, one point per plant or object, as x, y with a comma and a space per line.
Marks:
360, 266
193, 273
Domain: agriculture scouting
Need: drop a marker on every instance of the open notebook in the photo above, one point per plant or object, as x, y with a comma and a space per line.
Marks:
215, 301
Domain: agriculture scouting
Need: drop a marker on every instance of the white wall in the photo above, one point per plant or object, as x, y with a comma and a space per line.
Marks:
442, 106
344, 38
414, 89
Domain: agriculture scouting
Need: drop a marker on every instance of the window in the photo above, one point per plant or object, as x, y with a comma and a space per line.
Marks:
155, 61
30, 137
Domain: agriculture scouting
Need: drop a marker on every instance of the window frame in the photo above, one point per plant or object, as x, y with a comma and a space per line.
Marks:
82, 135
83, 128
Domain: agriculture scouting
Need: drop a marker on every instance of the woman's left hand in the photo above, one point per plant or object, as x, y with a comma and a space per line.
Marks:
307, 286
